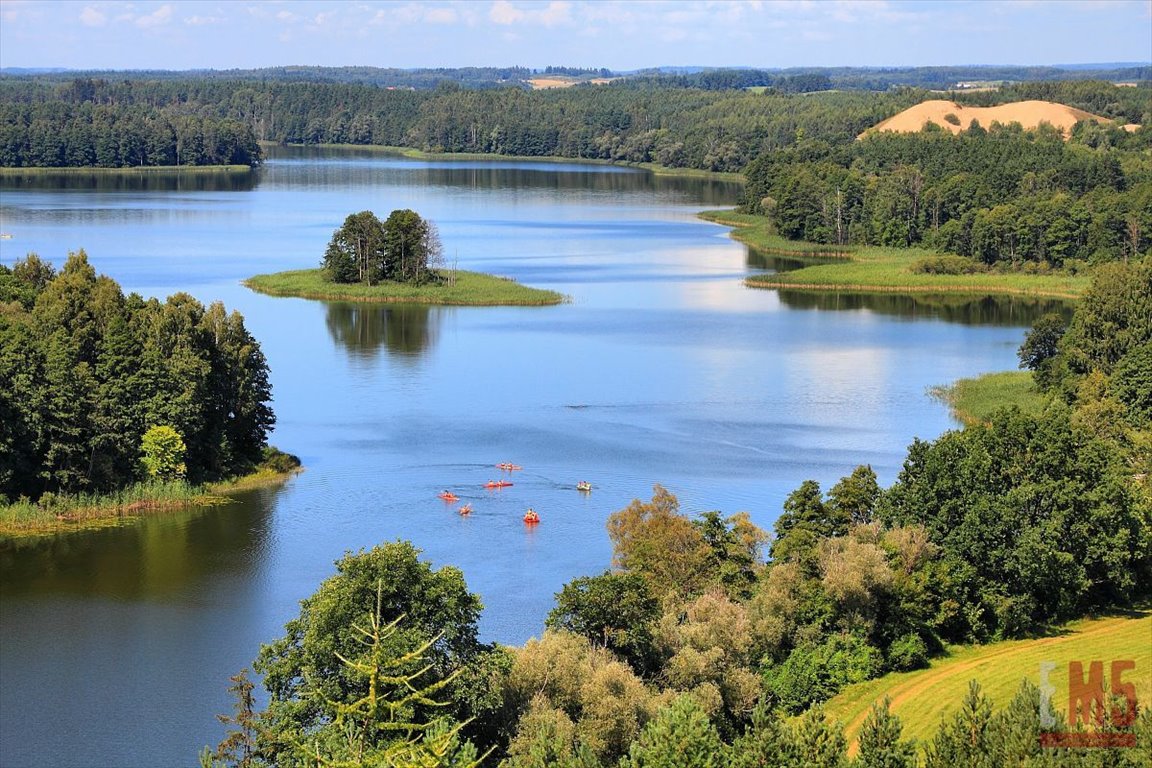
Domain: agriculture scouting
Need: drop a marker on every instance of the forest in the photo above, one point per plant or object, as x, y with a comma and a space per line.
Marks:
711, 643
48, 119
86, 373
996, 196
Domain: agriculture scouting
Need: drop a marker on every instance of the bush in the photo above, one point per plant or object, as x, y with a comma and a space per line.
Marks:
908, 652
814, 674
947, 265
277, 460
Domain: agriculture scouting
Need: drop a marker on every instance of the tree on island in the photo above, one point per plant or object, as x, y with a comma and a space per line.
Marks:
405, 248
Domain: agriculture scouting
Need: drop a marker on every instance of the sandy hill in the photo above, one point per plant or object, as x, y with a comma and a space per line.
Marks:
1028, 113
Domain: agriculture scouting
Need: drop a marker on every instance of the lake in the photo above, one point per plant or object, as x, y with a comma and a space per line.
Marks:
117, 644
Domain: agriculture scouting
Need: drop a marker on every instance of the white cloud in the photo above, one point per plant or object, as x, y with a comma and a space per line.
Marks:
92, 17
202, 21
440, 16
158, 17
556, 13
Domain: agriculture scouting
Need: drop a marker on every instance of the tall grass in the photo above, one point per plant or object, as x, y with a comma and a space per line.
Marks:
973, 401
456, 287
54, 512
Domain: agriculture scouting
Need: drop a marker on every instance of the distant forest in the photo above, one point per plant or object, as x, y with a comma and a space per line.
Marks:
996, 194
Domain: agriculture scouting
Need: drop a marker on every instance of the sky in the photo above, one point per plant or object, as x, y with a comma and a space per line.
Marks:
620, 35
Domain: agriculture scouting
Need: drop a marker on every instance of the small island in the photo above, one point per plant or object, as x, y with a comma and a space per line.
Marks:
399, 260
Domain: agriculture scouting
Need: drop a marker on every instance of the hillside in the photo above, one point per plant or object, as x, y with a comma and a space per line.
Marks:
921, 698
1030, 114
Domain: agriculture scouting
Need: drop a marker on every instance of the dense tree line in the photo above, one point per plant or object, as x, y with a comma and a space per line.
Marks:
676, 127
843, 78
86, 371
704, 120
997, 195
60, 134
697, 650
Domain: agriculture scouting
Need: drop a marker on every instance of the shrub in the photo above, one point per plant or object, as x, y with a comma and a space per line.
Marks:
908, 652
947, 265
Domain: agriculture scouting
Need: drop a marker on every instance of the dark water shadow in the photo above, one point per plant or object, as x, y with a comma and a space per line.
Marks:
154, 556
406, 331
133, 181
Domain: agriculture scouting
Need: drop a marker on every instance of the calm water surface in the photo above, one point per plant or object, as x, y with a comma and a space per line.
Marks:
117, 644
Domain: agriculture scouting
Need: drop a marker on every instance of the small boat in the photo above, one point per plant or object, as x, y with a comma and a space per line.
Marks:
531, 517
497, 484
448, 496
509, 467
465, 510
583, 486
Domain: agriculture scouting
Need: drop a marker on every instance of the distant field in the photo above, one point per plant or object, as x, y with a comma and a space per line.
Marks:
541, 83
923, 697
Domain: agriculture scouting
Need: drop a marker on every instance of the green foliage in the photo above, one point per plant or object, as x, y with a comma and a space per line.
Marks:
814, 673
908, 652
163, 451
1114, 317
819, 743
767, 742
85, 371
680, 736
880, 743
401, 249
1040, 348
645, 532
945, 264
356, 252
967, 739
306, 679
613, 610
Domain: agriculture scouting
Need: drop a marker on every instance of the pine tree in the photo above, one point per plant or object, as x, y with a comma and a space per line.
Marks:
880, 744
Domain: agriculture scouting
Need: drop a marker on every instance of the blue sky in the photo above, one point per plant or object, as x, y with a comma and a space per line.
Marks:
617, 34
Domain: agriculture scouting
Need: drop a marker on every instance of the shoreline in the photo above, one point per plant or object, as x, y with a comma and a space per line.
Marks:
469, 289
81, 170
419, 154
110, 511
872, 269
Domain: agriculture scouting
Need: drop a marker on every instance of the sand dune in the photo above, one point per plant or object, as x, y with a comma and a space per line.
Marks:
1029, 114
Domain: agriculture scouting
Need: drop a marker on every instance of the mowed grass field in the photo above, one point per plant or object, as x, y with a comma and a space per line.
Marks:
869, 269
923, 697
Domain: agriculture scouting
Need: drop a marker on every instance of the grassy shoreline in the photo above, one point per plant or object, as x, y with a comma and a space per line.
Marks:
81, 513
84, 170
467, 289
870, 269
973, 401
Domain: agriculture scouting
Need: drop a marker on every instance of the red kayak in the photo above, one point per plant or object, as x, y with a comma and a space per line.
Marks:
531, 517
497, 484
448, 496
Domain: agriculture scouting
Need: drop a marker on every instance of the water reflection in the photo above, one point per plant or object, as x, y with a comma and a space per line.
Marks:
405, 330
953, 307
320, 167
155, 556
126, 181
956, 308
